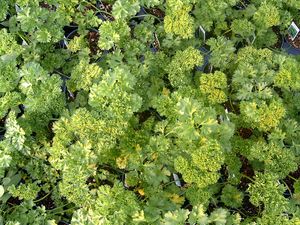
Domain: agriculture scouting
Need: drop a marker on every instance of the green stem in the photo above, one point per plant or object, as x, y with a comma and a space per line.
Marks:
227, 31
23, 38
60, 212
243, 175
107, 13
61, 74
38, 200
239, 211
289, 190
230, 102
293, 178
50, 210
165, 184
155, 17
243, 4
98, 10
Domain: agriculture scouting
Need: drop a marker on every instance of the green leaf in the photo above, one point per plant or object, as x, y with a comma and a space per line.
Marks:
177, 217
125, 8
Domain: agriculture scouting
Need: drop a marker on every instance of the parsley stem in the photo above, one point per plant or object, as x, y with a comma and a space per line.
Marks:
244, 5
98, 10
231, 105
243, 175
289, 190
65, 210
227, 31
45, 196
239, 211
23, 37
138, 16
62, 206
293, 178
61, 74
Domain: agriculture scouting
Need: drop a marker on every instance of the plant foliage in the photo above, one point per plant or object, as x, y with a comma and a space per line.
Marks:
148, 112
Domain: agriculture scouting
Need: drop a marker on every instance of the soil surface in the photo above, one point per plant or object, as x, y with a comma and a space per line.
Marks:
234, 107
248, 208
295, 43
13, 201
93, 38
107, 8
47, 6
246, 170
290, 181
278, 44
47, 201
156, 12
242, 4
245, 133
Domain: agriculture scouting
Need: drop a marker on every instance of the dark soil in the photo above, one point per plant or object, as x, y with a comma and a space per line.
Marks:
245, 133
248, 208
143, 116
13, 201
63, 223
242, 4
2, 122
47, 6
234, 108
91, 182
246, 170
278, 91
2, 126
187, 205
50, 129
93, 38
106, 8
290, 181
156, 12
224, 173
278, 44
22, 110
47, 201
295, 43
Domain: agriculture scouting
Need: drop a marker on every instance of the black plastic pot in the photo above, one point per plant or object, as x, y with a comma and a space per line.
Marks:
138, 18
287, 194
153, 49
101, 16
70, 35
206, 53
288, 48
141, 14
69, 32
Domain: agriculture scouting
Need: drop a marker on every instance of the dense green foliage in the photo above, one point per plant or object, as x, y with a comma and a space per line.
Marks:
148, 112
